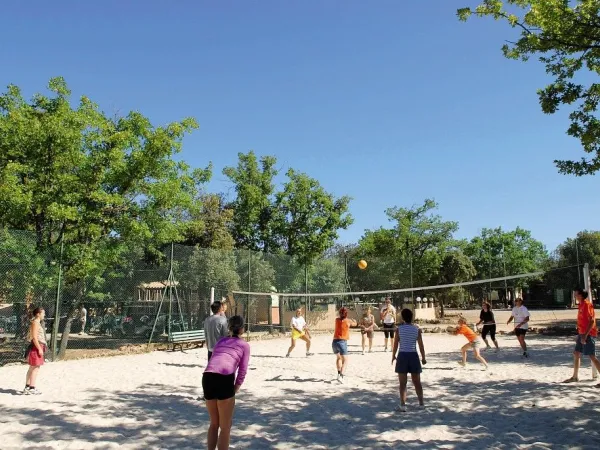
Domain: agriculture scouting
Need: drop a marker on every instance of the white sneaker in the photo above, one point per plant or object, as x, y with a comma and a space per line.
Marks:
25, 391
401, 408
34, 391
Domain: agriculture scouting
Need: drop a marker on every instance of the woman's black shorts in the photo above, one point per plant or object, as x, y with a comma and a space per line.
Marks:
217, 386
388, 330
489, 329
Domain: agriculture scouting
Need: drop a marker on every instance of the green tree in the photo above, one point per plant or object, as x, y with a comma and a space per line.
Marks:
72, 174
252, 225
308, 218
209, 224
565, 36
418, 238
496, 253
456, 267
585, 248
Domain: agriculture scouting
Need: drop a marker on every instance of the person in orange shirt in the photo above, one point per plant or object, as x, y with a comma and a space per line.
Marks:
474, 343
340, 342
587, 331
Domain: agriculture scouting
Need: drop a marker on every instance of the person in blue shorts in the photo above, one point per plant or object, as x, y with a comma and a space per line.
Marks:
407, 359
340, 342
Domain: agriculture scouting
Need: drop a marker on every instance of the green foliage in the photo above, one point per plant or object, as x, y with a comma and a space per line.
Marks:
418, 236
208, 268
566, 38
252, 226
496, 253
256, 272
308, 217
585, 248
24, 272
209, 223
74, 174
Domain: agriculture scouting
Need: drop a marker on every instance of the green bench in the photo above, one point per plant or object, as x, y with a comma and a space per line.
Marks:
181, 338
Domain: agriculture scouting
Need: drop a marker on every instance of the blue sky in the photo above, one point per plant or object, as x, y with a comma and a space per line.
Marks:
388, 102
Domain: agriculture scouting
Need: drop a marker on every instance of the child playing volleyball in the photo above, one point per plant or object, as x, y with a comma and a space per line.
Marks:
474, 343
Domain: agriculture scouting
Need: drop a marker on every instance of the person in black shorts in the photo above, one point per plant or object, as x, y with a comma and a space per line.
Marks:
387, 316
486, 316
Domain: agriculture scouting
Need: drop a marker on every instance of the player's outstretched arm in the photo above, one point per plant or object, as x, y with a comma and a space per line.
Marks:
421, 347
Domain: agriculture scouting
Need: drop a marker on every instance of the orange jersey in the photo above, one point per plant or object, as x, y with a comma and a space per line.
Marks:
342, 329
585, 315
467, 332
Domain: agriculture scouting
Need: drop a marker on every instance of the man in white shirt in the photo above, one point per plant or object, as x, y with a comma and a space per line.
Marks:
299, 331
520, 314
387, 315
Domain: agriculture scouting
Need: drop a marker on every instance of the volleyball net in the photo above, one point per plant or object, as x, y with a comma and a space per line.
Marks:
550, 292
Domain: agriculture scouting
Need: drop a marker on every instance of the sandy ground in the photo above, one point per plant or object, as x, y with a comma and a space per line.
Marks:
149, 401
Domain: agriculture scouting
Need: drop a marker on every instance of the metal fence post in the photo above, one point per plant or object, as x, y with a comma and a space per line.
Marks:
56, 323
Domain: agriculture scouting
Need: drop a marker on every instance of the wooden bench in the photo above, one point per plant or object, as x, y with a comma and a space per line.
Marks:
181, 338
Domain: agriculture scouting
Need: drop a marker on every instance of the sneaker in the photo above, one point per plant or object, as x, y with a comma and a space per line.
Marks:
462, 364
340, 377
401, 408
287, 356
25, 391
525, 355
309, 354
34, 391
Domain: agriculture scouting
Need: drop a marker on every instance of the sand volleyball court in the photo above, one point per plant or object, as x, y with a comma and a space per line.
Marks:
150, 401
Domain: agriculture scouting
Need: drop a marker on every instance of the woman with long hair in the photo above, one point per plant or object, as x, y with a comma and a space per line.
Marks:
486, 316
219, 382
367, 326
35, 351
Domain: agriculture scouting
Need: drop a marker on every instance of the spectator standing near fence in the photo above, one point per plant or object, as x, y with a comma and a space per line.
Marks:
82, 318
215, 326
35, 351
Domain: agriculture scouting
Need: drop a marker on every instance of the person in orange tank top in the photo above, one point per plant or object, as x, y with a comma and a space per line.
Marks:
340, 342
587, 331
474, 343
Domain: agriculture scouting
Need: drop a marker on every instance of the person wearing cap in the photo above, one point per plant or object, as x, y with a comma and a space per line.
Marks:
387, 316
520, 315
587, 331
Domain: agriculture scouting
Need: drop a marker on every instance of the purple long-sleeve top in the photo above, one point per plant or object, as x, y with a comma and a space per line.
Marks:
230, 354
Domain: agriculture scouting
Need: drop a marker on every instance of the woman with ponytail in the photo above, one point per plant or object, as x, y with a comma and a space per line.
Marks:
219, 382
35, 351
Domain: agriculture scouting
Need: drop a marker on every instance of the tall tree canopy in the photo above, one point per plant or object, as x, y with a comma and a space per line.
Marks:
585, 248
308, 218
72, 174
252, 224
565, 35
419, 237
496, 252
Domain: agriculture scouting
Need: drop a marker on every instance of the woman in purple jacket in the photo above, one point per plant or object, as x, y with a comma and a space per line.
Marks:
220, 384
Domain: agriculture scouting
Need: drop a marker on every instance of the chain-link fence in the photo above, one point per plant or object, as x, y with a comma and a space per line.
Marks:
142, 299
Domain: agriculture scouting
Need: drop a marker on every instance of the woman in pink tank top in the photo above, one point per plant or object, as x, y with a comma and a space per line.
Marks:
220, 383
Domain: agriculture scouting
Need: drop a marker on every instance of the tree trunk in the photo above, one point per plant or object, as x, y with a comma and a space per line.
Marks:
64, 338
